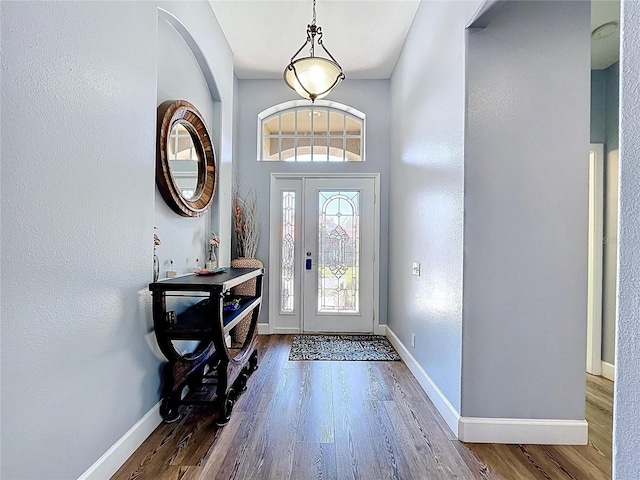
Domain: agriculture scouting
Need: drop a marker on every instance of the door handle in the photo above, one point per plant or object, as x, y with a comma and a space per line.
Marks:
308, 264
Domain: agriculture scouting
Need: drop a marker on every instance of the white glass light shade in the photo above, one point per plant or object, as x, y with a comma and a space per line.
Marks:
318, 76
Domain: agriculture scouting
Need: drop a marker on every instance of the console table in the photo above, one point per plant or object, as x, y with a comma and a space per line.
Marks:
214, 372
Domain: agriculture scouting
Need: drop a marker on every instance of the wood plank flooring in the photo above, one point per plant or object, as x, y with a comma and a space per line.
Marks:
547, 462
352, 420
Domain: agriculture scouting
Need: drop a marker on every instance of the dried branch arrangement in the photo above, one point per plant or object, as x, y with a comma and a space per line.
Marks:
245, 219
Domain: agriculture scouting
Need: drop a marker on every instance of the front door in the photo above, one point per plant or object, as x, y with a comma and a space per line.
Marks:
326, 255
338, 249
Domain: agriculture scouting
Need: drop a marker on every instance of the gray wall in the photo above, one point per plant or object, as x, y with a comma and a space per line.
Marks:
181, 78
598, 105
369, 96
604, 129
610, 252
626, 434
426, 207
612, 107
525, 230
79, 84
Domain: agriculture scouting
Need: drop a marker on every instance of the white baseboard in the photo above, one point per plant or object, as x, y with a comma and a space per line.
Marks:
492, 430
448, 411
608, 371
263, 329
523, 430
114, 458
380, 330
286, 330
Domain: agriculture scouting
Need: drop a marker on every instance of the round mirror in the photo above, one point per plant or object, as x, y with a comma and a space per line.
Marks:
185, 167
184, 163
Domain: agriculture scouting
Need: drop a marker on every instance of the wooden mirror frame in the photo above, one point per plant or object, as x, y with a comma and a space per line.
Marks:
181, 111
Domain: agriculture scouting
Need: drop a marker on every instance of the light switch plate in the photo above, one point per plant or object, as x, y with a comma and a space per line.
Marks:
416, 269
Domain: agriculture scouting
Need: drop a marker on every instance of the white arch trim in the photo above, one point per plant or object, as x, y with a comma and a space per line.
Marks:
305, 103
191, 42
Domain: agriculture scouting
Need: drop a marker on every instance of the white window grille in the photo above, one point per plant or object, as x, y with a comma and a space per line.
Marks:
303, 132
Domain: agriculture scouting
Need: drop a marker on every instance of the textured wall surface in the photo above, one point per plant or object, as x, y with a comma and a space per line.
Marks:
626, 428
78, 137
426, 206
78, 174
525, 265
369, 96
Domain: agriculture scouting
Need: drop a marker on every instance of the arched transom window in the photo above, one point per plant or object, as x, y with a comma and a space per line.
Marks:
303, 132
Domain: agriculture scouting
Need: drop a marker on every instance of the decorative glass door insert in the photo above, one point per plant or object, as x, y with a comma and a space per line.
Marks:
338, 263
288, 271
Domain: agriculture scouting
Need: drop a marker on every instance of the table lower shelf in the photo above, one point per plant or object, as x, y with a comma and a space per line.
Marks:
195, 323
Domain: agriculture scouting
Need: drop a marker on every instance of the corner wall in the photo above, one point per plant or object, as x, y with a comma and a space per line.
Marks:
526, 209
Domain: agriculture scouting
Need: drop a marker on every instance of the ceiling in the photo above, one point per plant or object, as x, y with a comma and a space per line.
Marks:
605, 51
365, 36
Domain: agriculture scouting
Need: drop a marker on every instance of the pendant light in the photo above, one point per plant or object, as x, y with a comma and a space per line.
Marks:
313, 77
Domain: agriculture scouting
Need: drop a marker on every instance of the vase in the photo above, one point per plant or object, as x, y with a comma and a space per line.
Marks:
156, 267
213, 261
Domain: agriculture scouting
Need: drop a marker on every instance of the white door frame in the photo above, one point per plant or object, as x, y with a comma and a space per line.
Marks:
279, 323
594, 293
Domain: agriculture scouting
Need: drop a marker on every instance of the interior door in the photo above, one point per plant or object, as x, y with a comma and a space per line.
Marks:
338, 255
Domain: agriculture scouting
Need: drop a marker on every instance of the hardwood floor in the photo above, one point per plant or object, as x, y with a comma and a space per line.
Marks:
547, 462
357, 420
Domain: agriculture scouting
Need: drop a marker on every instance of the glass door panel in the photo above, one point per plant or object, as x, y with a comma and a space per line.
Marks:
339, 261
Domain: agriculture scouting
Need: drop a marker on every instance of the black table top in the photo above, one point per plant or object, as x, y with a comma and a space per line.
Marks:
203, 283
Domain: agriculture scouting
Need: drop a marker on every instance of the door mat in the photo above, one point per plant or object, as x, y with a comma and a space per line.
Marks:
342, 347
